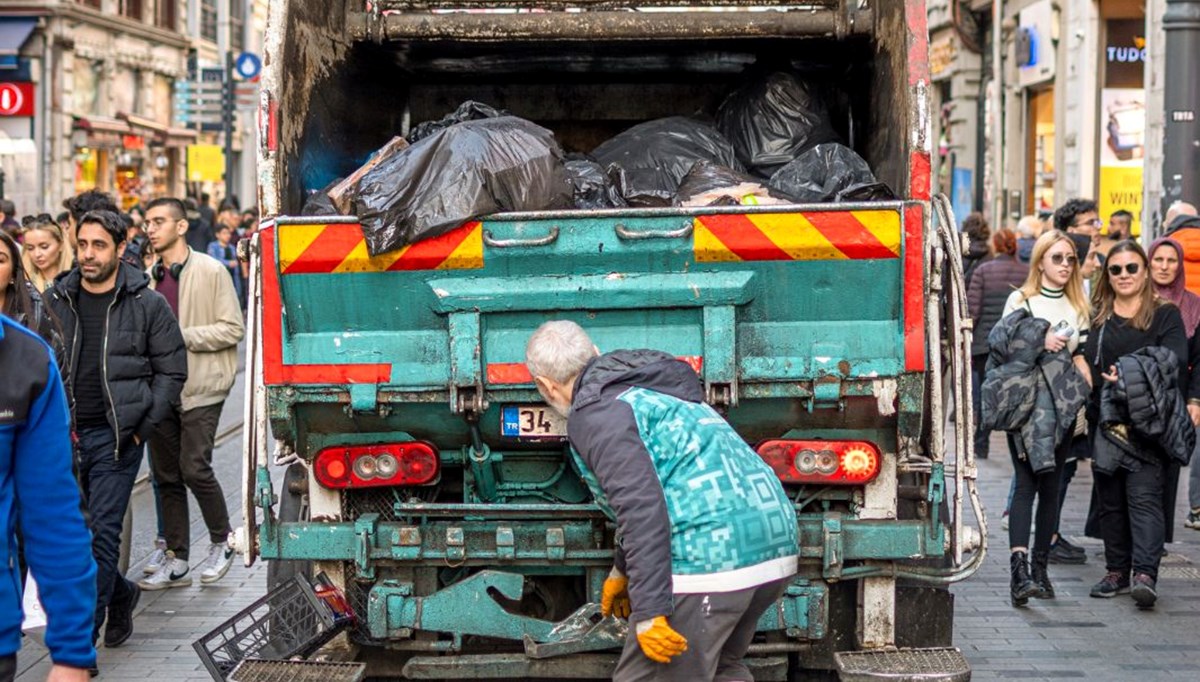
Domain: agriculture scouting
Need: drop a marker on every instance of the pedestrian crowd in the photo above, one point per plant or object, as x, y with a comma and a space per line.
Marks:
118, 335
1086, 347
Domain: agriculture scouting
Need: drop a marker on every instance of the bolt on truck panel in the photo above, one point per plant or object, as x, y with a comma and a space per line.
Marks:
437, 491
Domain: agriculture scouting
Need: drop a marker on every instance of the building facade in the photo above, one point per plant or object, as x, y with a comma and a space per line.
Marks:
1046, 100
103, 77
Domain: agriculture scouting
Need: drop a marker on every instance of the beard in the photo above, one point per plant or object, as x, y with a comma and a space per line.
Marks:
103, 271
563, 410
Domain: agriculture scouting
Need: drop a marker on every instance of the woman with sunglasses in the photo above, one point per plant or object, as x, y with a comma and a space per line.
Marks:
1053, 291
1129, 491
47, 253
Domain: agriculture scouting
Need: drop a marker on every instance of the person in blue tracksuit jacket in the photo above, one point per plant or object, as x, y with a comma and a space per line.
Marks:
708, 539
39, 492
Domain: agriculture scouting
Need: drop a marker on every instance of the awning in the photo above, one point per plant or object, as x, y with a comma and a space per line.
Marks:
176, 138
14, 31
103, 131
153, 127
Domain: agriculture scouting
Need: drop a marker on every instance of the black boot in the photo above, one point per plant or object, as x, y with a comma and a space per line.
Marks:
1022, 586
1041, 576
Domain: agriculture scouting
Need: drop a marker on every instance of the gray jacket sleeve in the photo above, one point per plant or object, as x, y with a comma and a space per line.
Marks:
606, 436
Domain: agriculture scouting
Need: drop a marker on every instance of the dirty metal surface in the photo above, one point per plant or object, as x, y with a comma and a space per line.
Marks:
297, 671
911, 665
583, 666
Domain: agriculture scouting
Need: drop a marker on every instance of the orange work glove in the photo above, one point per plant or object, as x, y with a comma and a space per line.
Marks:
614, 596
658, 641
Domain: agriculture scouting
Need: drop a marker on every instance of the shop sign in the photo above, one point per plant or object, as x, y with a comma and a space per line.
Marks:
1125, 53
1122, 148
205, 163
1037, 29
133, 142
942, 53
16, 99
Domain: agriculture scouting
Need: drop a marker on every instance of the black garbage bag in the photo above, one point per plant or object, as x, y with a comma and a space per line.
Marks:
829, 172
319, 203
593, 186
457, 174
774, 119
654, 156
469, 110
709, 184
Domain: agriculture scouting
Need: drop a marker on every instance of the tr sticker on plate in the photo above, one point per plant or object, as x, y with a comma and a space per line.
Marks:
531, 421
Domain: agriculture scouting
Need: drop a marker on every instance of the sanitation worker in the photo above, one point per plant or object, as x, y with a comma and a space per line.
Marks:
706, 538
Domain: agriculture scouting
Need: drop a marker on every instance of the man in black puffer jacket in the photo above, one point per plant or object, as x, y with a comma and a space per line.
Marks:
128, 361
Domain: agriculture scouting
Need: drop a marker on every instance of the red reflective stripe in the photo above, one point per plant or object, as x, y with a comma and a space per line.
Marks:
328, 250
428, 254
508, 373
914, 288
920, 173
274, 371
741, 236
848, 235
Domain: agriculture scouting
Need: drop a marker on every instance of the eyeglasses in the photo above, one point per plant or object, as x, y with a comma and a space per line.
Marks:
1094, 222
1130, 268
1060, 258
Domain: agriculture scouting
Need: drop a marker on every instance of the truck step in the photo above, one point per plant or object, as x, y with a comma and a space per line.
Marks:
297, 671
903, 665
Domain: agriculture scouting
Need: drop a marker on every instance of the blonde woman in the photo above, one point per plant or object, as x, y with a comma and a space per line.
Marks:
1053, 291
46, 253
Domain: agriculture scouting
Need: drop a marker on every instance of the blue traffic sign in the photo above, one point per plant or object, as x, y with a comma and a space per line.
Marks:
247, 65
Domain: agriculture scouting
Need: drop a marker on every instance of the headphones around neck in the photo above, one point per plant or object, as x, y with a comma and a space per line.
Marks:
158, 271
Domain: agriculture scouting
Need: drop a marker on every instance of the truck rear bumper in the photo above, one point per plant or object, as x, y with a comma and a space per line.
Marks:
583, 666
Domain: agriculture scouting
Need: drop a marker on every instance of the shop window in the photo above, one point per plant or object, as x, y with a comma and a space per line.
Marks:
166, 14
132, 9
237, 25
1040, 151
208, 20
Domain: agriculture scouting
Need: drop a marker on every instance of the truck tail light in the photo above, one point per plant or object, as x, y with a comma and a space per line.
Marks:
827, 462
367, 466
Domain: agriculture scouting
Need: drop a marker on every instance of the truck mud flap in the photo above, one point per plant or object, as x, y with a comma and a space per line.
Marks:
579, 667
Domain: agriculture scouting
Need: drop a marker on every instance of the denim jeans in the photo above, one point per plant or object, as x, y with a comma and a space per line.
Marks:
982, 438
107, 482
1194, 479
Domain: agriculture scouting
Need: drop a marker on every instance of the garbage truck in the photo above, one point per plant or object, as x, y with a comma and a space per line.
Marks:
424, 478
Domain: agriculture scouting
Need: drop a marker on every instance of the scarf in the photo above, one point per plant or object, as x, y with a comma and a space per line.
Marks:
1176, 292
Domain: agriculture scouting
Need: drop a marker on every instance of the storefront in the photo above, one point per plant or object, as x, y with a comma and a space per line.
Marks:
1039, 152
133, 158
1122, 116
1036, 59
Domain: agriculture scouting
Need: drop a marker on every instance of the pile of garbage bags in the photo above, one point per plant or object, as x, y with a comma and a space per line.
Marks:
772, 142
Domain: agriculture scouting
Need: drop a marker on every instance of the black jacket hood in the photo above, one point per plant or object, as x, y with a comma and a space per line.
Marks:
649, 369
129, 279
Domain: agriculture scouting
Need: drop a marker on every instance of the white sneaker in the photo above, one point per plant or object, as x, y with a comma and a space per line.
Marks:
157, 558
172, 573
216, 565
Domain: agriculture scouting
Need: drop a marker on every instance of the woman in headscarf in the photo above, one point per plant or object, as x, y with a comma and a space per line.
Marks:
1170, 283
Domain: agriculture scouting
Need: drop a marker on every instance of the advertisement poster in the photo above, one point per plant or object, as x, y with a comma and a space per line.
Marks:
1122, 146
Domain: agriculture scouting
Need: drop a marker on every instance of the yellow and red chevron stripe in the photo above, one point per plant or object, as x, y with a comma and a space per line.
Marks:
812, 235
340, 248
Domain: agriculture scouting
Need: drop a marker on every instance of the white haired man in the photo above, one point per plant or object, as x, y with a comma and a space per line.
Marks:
707, 538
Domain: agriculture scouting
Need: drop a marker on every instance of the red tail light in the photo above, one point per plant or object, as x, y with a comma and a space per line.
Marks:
366, 466
828, 462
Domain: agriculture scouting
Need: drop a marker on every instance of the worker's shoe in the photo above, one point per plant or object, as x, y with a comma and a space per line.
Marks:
119, 625
1111, 585
1144, 591
1021, 586
1041, 575
173, 573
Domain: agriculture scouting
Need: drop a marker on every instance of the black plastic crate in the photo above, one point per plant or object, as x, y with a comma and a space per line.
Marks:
294, 619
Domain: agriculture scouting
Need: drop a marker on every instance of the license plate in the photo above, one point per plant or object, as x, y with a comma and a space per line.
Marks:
532, 422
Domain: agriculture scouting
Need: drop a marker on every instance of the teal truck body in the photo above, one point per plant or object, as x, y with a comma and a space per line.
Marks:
817, 331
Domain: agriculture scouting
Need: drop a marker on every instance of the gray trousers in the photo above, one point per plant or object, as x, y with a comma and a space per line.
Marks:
718, 628
1194, 477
